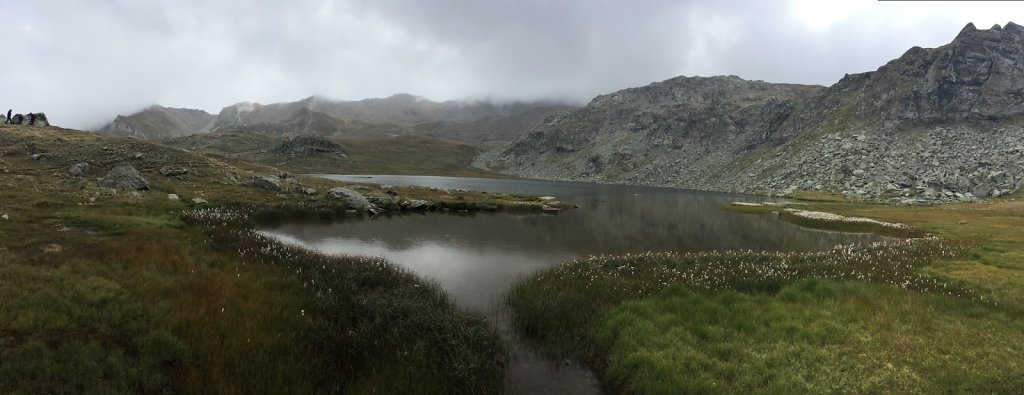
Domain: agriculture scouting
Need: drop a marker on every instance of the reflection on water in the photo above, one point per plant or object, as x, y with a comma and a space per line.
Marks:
474, 272
475, 257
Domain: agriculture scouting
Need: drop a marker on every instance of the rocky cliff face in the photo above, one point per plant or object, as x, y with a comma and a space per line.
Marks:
934, 124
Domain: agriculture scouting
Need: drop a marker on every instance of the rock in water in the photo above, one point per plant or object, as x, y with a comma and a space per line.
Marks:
123, 177
269, 183
352, 199
417, 204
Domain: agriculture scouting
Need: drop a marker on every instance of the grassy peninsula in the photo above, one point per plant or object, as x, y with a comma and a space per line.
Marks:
937, 311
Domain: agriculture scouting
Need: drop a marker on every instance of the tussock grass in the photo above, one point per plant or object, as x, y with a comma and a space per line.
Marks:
751, 321
814, 336
377, 327
116, 293
932, 314
560, 304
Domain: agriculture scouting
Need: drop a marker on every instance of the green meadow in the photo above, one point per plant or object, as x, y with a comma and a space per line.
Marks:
940, 312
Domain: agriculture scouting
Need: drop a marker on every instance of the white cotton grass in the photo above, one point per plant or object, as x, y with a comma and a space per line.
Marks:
823, 216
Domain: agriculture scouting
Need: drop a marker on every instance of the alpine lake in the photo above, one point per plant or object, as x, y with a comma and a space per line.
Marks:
475, 257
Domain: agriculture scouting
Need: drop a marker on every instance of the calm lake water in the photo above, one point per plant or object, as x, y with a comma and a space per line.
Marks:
475, 257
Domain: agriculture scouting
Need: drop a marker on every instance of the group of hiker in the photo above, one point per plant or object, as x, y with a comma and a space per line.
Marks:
31, 118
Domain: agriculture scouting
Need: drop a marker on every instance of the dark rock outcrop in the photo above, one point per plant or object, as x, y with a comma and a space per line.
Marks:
305, 146
269, 183
40, 120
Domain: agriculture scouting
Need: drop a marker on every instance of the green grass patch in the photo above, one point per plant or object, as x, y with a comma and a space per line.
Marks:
626, 315
813, 336
667, 323
559, 305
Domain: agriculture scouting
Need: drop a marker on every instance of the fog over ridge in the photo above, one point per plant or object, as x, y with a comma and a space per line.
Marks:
85, 62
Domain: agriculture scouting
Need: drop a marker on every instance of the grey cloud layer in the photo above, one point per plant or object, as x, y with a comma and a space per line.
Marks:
84, 62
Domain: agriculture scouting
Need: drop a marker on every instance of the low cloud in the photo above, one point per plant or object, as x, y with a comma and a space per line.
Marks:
85, 62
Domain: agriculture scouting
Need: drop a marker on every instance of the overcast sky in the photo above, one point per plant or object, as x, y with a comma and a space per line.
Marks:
83, 62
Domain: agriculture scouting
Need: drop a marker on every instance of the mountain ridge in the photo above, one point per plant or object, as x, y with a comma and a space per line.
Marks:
883, 135
396, 114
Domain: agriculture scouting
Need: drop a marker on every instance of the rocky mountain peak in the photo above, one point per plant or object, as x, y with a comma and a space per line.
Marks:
934, 124
1011, 32
977, 77
968, 29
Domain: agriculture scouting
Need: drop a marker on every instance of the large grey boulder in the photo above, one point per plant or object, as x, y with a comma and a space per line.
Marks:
21, 119
269, 183
352, 199
41, 119
982, 190
123, 177
78, 169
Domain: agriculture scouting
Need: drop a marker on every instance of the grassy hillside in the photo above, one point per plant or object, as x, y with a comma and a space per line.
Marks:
407, 155
413, 155
130, 292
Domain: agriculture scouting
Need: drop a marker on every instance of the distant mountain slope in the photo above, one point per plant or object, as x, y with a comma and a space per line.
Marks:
935, 124
475, 122
669, 125
156, 122
408, 154
491, 128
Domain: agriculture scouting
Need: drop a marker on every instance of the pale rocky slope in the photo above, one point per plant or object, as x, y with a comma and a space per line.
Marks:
935, 124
